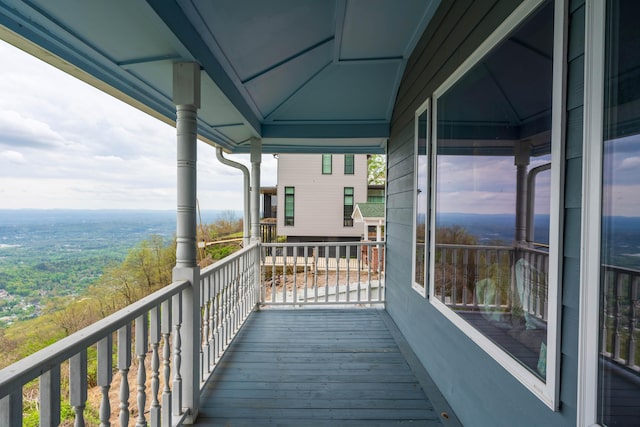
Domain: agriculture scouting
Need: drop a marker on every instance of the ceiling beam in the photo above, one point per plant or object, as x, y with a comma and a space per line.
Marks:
174, 17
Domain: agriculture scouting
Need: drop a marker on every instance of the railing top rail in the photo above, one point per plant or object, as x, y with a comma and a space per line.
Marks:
533, 250
620, 269
34, 365
326, 244
459, 246
227, 260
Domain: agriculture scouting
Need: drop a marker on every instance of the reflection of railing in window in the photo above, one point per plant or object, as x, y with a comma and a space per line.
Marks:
502, 281
621, 325
502, 292
500, 278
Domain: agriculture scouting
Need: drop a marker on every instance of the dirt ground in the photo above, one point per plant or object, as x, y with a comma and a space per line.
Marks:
320, 280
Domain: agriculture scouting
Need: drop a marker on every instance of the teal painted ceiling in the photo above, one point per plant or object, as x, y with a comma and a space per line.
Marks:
303, 75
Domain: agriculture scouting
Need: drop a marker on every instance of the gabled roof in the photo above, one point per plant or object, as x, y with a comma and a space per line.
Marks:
303, 75
368, 212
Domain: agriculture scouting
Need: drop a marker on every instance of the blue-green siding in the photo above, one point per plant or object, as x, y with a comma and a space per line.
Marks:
479, 389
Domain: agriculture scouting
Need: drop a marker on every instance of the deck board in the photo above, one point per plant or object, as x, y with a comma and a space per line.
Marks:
318, 368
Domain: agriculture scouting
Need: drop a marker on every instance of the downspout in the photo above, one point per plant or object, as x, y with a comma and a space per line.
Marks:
531, 197
247, 213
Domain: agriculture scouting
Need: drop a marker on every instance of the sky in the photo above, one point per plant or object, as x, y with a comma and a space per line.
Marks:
486, 185
66, 145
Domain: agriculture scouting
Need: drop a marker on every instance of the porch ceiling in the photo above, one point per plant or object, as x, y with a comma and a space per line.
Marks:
304, 75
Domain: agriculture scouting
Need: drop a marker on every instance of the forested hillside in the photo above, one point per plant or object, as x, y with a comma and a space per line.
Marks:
96, 292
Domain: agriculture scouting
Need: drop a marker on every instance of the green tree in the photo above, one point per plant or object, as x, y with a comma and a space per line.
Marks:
376, 169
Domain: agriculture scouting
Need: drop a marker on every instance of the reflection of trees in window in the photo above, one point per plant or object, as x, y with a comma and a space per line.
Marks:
422, 200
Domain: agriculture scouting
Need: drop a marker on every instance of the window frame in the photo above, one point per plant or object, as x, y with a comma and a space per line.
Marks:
425, 108
590, 255
350, 171
347, 221
289, 196
547, 391
329, 170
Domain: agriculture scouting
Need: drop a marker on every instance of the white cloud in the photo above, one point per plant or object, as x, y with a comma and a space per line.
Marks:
621, 200
479, 202
86, 149
17, 130
630, 163
12, 156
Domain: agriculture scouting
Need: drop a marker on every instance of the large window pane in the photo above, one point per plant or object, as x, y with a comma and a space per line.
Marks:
421, 201
619, 369
493, 147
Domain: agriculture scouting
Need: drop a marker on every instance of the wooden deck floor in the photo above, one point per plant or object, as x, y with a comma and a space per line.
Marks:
321, 368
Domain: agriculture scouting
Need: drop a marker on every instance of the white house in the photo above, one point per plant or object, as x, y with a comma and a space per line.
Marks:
317, 196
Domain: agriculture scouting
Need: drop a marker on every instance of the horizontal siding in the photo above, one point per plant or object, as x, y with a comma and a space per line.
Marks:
480, 390
475, 24
318, 207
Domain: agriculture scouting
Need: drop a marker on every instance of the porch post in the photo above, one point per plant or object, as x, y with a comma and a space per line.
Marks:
522, 156
186, 97
256, 158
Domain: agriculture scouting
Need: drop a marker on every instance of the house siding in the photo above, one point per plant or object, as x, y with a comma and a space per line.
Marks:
480, 391
318, 207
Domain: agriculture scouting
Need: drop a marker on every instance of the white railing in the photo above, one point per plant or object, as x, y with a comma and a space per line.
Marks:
157, 320
474, 277
154, 325
346, 273
228, 294
322, 273
621, 314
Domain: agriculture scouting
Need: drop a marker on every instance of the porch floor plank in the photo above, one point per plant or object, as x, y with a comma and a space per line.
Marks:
320, 367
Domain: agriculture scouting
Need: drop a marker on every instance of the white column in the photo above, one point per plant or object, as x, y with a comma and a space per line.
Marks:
522, 155
186, 97
256, 158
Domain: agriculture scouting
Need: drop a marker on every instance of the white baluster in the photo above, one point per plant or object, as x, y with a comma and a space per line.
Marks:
50, 397
154, 335
165, 328
105, 376
11, 409
78, 385
204, 339
142, 327
177, 355
124, 363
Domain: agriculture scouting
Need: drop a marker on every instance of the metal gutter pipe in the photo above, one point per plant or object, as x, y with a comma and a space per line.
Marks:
247, 213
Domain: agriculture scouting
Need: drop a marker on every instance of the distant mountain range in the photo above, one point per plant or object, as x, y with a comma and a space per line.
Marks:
623, 232
49, 253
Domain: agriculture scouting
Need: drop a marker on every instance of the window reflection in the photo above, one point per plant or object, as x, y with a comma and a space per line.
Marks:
422, 196
493, 144
619, 371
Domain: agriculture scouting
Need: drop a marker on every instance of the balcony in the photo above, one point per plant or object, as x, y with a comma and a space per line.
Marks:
257, 359
342, 364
